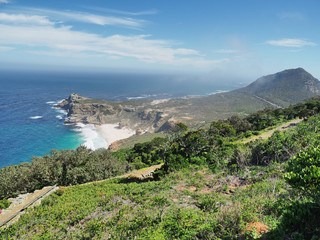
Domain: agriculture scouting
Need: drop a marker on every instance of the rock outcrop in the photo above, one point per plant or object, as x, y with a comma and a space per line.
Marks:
86, 110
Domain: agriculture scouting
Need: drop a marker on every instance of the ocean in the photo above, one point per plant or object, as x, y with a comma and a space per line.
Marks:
31, 126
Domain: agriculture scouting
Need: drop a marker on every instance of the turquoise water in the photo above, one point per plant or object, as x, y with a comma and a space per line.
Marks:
30, 126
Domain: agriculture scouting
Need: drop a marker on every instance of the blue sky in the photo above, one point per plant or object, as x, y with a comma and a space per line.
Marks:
233, 38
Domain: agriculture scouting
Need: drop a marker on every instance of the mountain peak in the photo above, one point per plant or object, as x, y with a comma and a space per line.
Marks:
288, 86
293, 72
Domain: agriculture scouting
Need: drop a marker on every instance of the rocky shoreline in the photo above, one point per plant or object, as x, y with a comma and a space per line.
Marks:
136, 115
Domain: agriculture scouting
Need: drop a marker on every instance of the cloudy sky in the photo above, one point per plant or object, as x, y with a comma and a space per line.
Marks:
245, 38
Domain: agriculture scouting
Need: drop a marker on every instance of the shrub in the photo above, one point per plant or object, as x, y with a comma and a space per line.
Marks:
300, 220
65, 167
303, 173
222, 129
4, 203
207, 203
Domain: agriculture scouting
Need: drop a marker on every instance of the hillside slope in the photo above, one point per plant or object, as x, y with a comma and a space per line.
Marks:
191, 203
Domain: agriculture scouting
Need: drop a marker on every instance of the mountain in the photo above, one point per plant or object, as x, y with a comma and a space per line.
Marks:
286, 87
275, 90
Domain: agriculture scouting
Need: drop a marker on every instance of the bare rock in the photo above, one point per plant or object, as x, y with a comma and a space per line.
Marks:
139, 131
168, 125
129, 109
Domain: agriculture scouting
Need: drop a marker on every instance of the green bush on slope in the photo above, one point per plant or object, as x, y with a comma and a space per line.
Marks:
4, 203
300, 218
303, 173
65, 167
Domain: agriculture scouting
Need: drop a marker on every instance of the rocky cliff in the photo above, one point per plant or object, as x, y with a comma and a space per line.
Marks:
133, 114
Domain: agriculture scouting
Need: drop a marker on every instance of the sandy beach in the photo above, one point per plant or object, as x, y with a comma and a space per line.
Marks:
112, 133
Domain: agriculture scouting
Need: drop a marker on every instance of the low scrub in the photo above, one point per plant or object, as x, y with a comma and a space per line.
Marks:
63, 168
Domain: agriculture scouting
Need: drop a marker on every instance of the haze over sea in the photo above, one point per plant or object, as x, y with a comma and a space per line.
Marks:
31, 126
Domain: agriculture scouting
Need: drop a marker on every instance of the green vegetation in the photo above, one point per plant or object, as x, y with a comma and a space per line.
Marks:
304, 173
271, 117
4, 203
118, 209
144, 154
211, 185
65, 167
129, 143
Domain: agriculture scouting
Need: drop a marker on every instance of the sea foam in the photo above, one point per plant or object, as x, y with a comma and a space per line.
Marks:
54, 102
36, 117
92, 138
61, 111
51, 102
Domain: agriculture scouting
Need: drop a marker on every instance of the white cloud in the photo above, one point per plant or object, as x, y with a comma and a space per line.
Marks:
183, 51
101, 20
5, 48
4, 1
290, 42
108, 10
21, 18
140, 47
88, 18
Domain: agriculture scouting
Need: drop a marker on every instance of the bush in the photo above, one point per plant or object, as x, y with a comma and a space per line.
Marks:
300, 220
303, 173
222, 129
207, 203
4, 203
65, 167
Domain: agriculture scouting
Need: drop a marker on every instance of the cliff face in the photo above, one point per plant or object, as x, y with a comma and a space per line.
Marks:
86, 110
127, 114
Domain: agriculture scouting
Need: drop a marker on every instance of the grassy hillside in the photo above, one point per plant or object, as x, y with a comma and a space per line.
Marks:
181, 205
211, 186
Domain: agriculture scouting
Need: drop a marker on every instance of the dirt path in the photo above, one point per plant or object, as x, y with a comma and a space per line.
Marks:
280, 128
141, 173
23, 201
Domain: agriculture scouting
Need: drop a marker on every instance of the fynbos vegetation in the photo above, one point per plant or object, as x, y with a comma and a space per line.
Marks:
214, 184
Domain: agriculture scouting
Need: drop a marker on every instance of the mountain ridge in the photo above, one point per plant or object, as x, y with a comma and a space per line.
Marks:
286, 87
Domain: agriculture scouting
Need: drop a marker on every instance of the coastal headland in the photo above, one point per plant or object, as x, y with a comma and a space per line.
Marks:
120, 120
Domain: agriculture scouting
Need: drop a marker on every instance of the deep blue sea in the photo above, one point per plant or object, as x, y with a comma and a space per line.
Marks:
30, 126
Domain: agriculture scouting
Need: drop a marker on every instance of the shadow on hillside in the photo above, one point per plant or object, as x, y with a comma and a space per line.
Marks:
299, 221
